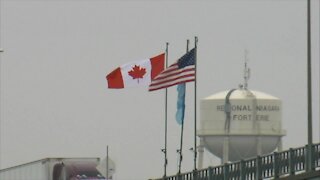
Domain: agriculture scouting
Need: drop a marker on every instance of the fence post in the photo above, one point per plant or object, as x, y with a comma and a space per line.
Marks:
316, 155
210, 175
195, 175
242, 170
179, 177
258, 168
275, 165
291, 162
312, 157
164, 177
309, 159
226, 171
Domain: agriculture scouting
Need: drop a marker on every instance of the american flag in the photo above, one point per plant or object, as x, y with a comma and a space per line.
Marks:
182, 71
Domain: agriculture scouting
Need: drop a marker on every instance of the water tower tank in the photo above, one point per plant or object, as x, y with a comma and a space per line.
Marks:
240, 123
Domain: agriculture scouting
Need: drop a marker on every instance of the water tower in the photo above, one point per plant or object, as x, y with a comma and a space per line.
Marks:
240, 123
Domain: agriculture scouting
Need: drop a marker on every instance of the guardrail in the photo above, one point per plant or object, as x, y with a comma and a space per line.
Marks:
276, 165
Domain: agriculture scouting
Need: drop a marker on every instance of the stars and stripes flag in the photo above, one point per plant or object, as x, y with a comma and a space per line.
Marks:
182, 71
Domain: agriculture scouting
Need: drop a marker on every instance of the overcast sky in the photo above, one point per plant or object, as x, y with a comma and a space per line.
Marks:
54, 98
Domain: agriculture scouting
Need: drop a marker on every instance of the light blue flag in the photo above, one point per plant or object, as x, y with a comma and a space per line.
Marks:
181, 88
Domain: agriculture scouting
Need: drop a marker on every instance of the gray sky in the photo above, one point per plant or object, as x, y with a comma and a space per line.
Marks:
54, 98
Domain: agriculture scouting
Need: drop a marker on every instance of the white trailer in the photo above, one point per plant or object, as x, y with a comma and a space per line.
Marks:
54, 169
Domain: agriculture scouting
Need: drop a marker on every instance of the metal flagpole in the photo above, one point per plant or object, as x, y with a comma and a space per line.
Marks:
195, 105
1, 50
309, 79
180, 150
166, 122
309, 91
107, 164
182, 125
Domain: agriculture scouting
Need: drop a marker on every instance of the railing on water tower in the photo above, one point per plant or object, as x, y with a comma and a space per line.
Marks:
272, 166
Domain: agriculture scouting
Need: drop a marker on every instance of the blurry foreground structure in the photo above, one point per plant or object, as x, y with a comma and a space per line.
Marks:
287, 165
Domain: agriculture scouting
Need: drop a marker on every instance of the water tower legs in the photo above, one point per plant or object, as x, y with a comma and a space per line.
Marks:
279, 145
200, 151
259, 146
225, 154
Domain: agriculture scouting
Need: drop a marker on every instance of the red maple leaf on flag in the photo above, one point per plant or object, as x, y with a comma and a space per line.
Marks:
137, 72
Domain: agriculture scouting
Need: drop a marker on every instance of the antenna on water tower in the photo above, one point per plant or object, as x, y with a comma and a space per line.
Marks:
246, 74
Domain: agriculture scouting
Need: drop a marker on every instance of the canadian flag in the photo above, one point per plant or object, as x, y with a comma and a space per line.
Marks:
139, 73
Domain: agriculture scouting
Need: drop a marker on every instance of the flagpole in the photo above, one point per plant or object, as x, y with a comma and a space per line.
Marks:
195, 105
319, 70
1, 50
182, 125
309, 152
107, 164
309, 79
166, 121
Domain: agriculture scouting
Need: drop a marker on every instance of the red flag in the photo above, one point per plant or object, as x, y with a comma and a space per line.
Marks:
139, 73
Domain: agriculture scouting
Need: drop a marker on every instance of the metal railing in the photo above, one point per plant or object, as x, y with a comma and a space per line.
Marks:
278, 164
